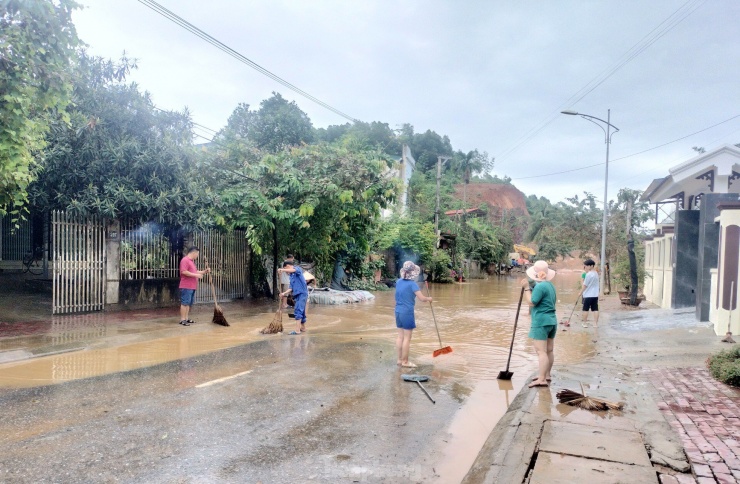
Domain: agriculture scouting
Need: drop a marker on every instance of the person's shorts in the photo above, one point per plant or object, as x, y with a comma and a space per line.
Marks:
187, 297
591, 303
405, 321
543, 333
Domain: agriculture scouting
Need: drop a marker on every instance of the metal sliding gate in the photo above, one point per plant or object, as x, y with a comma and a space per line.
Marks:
227, 256
78, 246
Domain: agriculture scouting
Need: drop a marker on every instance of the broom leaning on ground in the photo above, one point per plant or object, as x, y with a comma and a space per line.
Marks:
569, 397
276, 326
218, 314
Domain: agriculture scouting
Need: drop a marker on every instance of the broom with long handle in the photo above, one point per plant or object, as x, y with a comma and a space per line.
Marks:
567, 321
218, 314
506, 374
443, 350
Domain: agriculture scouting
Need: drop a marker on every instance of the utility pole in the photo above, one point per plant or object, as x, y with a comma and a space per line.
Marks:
440, 160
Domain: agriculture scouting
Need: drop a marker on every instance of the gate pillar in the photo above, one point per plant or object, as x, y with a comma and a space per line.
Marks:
113, 261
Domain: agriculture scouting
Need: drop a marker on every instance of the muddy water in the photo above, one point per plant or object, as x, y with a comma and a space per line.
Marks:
475, 319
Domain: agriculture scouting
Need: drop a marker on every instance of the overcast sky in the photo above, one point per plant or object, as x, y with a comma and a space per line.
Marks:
483, 72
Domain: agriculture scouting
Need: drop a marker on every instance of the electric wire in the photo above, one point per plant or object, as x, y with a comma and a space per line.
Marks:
628, 156
238, 56
662, 166
670, 22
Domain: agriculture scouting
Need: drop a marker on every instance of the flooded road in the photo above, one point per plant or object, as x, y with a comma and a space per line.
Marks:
349, 345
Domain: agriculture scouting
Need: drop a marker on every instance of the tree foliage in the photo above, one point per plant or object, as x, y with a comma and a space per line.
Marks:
318, 199
278, 125
119, 156
37, 46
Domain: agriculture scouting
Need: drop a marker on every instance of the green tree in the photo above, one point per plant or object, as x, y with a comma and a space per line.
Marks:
37, 47
426, 147
119, 156
315, 200
374, 135
279, 124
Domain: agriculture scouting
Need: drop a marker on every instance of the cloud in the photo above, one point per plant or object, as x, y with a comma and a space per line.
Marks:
482, 72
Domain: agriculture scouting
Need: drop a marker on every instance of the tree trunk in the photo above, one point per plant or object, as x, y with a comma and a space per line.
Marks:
275, 281
632, 257
633, 270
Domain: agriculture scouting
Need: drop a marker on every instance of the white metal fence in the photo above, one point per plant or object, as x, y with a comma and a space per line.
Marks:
227, 256
78, 263
147, 252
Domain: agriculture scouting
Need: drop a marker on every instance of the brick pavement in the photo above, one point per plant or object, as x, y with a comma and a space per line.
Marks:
706, 414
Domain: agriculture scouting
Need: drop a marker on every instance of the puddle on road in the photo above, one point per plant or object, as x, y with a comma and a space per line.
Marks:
475, 319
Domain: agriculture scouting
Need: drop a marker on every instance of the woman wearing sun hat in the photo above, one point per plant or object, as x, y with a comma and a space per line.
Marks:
542, 299
407, 291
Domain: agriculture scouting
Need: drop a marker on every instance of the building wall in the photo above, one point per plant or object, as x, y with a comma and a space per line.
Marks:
725, 278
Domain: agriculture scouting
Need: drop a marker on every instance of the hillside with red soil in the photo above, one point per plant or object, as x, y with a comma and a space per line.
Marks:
505, 204
494, 195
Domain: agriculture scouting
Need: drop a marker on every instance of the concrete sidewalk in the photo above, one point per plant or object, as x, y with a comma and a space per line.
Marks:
540, 440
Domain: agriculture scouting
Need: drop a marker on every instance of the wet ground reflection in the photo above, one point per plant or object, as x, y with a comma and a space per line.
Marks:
475, 319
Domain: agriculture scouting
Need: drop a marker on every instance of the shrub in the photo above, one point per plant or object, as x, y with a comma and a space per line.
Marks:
439, 266
725, 366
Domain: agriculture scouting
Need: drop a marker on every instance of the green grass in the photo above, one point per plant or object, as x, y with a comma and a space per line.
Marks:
725, 366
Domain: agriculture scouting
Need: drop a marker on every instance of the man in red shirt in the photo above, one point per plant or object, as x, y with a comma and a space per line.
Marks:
189, 275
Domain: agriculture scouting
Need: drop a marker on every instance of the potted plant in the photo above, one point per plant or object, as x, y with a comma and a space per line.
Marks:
621, 277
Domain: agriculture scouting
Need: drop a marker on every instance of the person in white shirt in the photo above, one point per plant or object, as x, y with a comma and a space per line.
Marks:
590, 292
285, 282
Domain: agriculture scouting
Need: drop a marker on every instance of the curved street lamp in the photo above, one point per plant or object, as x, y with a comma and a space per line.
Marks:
608, 140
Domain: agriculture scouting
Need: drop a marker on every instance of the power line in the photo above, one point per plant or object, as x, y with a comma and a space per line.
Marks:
628, 156
241, 58
732, 133
638, 48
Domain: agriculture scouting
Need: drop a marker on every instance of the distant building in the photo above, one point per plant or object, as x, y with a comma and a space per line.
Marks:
406, 167
692, 259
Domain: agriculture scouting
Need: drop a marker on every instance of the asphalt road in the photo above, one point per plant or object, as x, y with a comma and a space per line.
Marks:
284, 410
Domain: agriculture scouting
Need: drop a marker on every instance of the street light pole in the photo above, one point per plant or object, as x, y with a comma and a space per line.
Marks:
608, 140
602, 283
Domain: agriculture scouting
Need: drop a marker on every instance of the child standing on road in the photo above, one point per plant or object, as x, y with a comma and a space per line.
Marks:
542, 299
407, 292
299, 289
590, 292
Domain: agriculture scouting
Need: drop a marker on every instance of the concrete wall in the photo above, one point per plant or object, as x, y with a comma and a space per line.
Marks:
685, 259
473, 269
148, 293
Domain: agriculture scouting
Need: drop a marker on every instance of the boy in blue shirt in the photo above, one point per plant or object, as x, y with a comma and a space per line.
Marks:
300, 294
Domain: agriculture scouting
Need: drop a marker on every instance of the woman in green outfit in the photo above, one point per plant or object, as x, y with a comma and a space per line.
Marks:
542, 299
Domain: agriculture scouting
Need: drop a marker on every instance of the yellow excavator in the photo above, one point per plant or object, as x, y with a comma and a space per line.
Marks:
523, 249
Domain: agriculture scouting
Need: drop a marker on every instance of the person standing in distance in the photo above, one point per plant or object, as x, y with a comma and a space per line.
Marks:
285, 282
189, 275
407, 292
590, 292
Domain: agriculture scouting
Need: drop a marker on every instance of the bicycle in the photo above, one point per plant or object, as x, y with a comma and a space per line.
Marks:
33, 262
